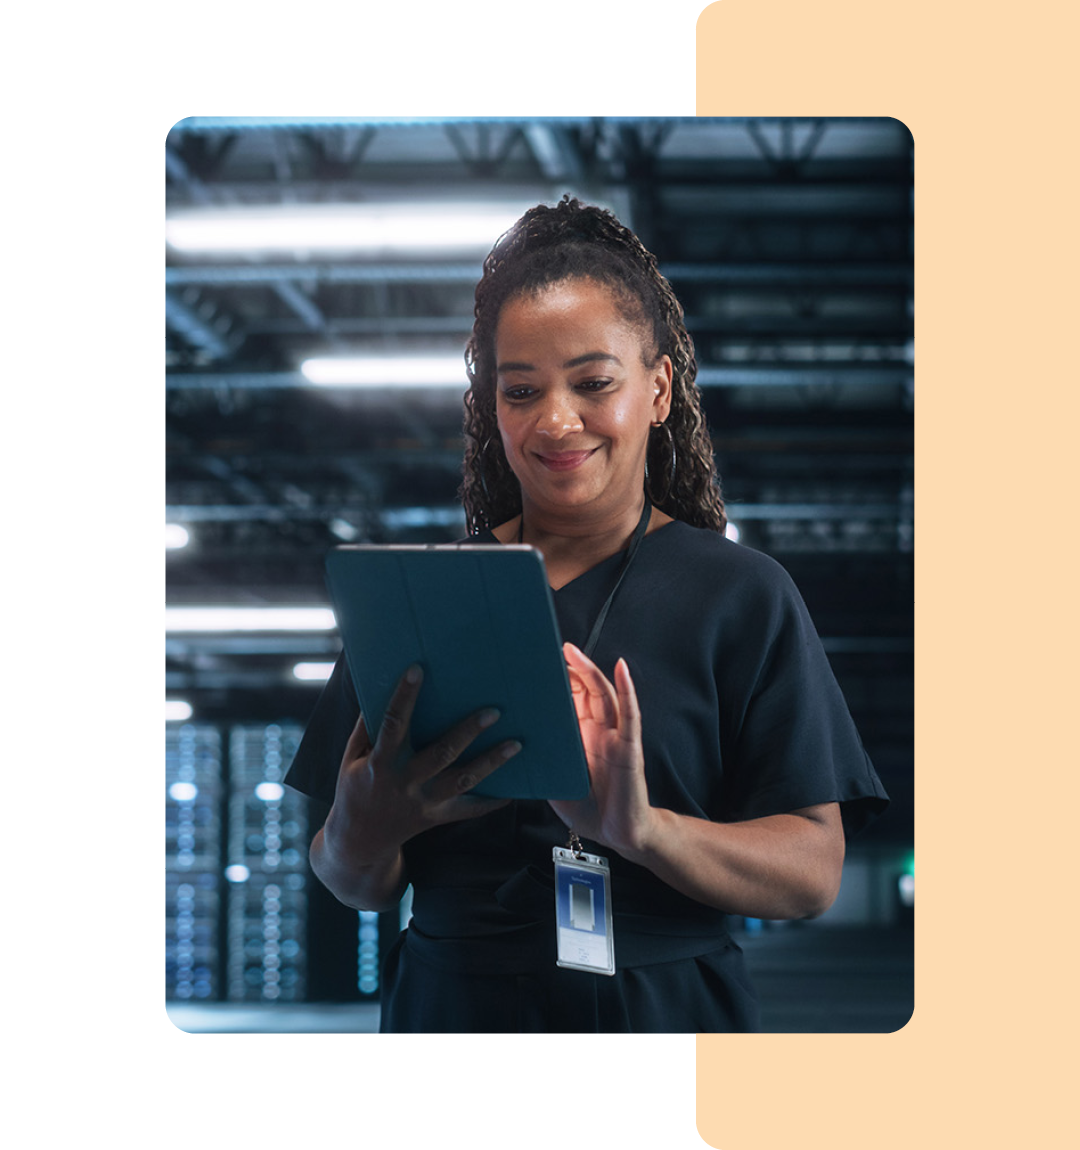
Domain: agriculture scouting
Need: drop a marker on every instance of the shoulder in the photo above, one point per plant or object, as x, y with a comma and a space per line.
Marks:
481, 537
704, 558
695, 578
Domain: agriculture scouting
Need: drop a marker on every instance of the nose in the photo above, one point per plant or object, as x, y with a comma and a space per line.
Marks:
558, 416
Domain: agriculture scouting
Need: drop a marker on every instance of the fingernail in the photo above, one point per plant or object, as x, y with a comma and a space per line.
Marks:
508, 750
488, 717
413, 674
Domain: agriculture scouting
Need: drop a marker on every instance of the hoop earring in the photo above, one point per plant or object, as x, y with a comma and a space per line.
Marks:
481, 468
501, 481
658, 500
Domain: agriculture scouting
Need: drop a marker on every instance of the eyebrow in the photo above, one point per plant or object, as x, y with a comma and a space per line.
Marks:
577, 361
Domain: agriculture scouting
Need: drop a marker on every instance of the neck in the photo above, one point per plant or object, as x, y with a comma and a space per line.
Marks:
578, 528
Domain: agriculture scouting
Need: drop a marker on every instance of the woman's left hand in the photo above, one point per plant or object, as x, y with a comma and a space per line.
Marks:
778, 866
617, 812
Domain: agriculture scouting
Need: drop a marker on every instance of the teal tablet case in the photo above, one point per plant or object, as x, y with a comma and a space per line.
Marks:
480, 620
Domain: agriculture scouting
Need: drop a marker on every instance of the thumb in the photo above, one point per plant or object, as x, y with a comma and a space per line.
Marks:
359, 743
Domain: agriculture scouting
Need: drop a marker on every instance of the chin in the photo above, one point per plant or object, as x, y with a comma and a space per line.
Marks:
571, 497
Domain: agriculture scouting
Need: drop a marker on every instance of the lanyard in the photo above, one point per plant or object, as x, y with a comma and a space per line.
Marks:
628, 558
583, 915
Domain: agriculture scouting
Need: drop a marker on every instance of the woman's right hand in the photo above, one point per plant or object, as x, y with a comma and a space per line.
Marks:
387, 792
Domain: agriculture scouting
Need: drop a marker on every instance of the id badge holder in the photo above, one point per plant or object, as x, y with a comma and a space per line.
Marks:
583, 909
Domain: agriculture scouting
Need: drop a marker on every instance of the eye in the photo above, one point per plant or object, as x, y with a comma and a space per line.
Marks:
591, 385
517, 394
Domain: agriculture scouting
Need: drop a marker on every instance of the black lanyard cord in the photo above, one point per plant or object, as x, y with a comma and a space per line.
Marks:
628, 558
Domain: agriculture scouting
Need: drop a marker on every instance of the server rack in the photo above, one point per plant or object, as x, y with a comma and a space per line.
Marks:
193, 836
245, 919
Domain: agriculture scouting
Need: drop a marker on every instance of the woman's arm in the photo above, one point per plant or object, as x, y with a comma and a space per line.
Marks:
781, 866
374, 885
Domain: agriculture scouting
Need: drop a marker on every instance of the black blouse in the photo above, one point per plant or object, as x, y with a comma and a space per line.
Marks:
741, 718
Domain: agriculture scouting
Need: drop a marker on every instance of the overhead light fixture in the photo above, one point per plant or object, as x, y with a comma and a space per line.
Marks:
177, 710
176, 536
226, 619
386, 371
389, 229
313, 672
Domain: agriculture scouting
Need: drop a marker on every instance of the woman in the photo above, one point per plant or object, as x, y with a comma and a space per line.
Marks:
725, 770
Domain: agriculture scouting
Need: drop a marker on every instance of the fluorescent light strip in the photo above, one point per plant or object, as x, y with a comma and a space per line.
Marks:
389, 228
387, 371
313, 672
176, 536
227, 619
177, 710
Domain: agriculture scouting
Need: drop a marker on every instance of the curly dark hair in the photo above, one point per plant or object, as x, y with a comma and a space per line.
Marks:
550, 245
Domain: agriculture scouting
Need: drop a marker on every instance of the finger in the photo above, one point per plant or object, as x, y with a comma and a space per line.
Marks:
444, 752
579, 691
451, 784
590, 673
592, 704
629, 708
394, 731
359, 743
603, 702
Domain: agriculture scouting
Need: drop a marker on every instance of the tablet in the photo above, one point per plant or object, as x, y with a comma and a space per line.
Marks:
480, 621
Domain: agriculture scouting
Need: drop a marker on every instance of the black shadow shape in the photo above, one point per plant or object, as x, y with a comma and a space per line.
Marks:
67, 483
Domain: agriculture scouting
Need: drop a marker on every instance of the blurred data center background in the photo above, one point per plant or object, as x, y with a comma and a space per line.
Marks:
318, 298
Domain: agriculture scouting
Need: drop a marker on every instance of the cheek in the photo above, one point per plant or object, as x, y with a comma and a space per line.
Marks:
630, 418
625, 419
507, 431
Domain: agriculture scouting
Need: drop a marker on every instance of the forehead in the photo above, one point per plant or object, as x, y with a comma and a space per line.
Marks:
577, 309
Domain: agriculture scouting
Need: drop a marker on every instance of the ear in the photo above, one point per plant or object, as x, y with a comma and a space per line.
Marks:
663, 374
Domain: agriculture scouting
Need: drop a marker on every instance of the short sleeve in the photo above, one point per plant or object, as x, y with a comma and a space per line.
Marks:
794, 743
315, 765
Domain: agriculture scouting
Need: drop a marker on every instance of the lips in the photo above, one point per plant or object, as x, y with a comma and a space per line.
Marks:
565, 460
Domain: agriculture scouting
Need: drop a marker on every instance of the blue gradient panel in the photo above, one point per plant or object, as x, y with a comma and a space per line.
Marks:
93, 196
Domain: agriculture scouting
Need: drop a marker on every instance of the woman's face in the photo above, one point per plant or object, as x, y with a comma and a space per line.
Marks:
574, 398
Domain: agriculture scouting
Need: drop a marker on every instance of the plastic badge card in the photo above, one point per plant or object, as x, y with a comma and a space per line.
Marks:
583, 911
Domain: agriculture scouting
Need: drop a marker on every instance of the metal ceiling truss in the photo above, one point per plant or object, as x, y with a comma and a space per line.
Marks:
779, 274
334, 153
216, 125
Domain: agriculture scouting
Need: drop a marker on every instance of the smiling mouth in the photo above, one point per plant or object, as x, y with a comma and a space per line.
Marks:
565, 460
